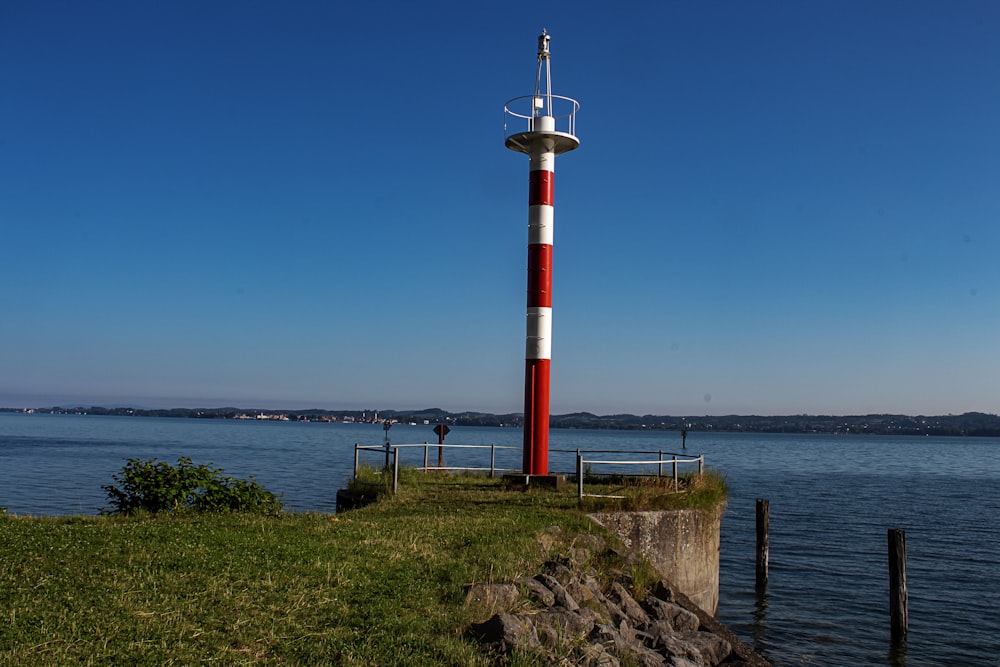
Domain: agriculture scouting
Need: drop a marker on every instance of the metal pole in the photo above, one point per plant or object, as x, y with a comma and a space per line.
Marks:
701, 464
395, 470
355, 460
425, 456
493, 458
659, 466
387, 455
673, 462
579, 476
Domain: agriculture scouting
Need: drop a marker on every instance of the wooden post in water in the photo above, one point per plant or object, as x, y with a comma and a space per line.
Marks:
763, 526
898, 612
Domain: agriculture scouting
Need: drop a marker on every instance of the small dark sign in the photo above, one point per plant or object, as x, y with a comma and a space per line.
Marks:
441, 430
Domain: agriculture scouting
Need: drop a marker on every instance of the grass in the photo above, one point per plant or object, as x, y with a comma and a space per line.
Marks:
707, 491
379, 586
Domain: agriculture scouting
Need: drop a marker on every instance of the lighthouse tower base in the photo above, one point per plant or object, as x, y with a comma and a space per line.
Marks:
524, 482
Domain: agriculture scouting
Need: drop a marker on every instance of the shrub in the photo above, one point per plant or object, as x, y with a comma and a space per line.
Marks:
156, 486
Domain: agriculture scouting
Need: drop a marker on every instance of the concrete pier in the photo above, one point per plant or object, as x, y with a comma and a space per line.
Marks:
683, 545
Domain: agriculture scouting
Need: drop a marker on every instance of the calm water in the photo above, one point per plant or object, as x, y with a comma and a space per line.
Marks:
832, 498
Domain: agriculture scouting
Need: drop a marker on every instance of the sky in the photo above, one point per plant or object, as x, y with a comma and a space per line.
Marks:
776, 208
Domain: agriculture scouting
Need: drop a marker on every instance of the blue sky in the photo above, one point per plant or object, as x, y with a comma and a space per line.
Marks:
785, 207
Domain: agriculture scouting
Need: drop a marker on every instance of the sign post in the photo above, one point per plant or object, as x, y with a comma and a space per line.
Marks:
441, 430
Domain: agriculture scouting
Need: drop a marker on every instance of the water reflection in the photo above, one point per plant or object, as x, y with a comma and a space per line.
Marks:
758, 627
897, 652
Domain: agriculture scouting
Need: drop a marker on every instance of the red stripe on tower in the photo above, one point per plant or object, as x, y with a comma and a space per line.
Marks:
541, 187
535, 460
539, 275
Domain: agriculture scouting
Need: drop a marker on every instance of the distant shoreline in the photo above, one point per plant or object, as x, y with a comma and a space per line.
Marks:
967, 424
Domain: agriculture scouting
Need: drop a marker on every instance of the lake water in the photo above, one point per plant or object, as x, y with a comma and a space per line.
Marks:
832, 499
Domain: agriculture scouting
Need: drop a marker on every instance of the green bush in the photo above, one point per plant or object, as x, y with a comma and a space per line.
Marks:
156, 486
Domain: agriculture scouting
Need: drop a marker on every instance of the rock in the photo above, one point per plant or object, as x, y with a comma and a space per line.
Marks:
582, 594
662, 590
648, 658
583, 549
560, 572
548, 539
506, 632
579, 556
605, 635
492, 597
744, 653
563, 598
595, 655
677, 661
352, 500
536, 591
615, 612
557, 627
714, 649
593, 543
636, 614
612, 629
682, 621
594, 586
680, 651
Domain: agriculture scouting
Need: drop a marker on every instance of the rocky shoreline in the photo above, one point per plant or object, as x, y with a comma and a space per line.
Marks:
580, 611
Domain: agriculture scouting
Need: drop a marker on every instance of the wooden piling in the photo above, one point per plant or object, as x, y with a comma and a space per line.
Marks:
763, 526
898, 611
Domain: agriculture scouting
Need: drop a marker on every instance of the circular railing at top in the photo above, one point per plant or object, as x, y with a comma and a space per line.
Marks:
523, 111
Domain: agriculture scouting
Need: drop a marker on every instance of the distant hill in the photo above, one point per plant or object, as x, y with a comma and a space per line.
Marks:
967, 424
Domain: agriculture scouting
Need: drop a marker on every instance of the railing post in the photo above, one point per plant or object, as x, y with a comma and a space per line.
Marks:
673, 462
387, 456
395, 470
659, 466
701, 465
425, 456
355, 460
493, 458
579, 476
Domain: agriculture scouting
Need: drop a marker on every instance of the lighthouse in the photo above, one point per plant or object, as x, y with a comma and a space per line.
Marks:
541, 126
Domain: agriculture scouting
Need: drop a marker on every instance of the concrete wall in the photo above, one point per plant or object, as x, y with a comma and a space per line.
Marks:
683, 545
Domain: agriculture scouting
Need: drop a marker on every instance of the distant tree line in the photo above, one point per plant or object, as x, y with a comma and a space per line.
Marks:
967, 424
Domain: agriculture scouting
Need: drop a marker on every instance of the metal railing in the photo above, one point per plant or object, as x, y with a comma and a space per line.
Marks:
522, 111
392, 456
675, 461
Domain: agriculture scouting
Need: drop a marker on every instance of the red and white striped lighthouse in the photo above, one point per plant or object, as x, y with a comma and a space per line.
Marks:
541, 125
